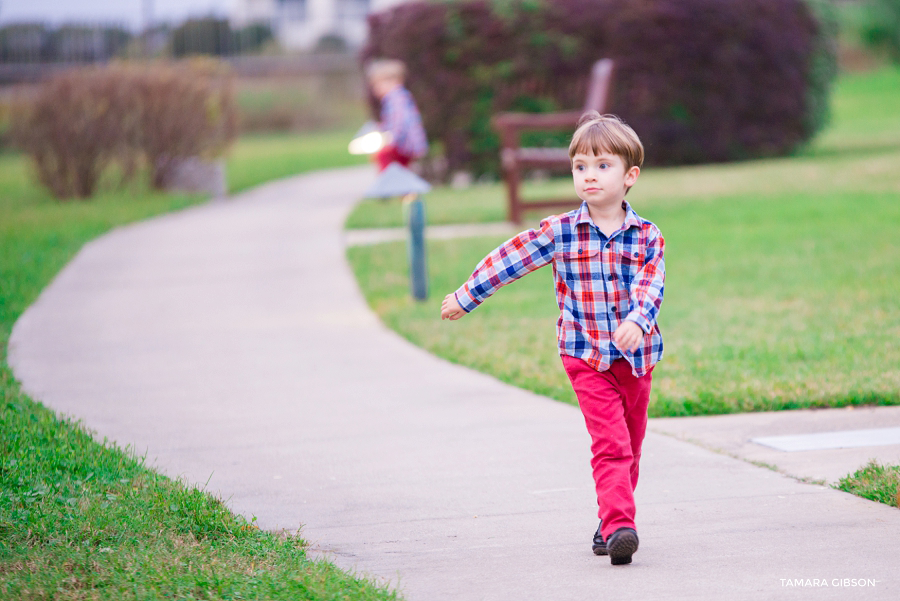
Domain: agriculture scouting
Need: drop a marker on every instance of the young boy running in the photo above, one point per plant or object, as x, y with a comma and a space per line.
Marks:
609, 273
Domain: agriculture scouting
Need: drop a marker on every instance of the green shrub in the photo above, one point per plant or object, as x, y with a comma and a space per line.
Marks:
214, 36
882, 27
208, 35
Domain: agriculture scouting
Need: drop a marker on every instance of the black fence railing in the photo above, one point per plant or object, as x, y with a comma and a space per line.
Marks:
33, 51
244, 66
81, 43
99, 42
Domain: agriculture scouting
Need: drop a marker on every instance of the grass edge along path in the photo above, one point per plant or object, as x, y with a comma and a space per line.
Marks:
260, 158
875, 482
83, 519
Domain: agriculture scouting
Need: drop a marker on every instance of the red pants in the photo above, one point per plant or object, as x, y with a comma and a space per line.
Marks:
389, 154
614, 403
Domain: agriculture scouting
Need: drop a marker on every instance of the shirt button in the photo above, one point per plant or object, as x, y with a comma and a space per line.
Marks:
609, 245
613, 310
580, 250
611, 277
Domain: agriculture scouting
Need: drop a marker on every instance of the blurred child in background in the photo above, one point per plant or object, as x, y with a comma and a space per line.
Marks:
399, 115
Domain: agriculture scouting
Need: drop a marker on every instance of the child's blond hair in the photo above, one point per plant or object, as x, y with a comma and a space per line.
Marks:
598, 133
386, 68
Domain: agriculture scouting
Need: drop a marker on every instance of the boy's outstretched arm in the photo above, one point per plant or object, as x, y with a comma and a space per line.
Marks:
521, 254
450, 309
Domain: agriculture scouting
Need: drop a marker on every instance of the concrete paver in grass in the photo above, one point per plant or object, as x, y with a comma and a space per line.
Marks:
230, 343
816, 444
841, 439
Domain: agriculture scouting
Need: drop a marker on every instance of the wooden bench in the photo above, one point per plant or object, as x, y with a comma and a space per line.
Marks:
514, 159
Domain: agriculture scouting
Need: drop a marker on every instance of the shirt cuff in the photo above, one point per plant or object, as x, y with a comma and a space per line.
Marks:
465, 299
644, 323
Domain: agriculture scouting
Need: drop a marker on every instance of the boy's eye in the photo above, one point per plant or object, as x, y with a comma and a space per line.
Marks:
604, 165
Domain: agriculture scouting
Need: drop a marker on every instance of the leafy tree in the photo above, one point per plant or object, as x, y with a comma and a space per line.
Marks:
882, 28
208, 35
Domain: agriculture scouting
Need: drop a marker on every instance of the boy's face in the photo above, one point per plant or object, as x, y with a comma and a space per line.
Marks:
381, 86
602, 180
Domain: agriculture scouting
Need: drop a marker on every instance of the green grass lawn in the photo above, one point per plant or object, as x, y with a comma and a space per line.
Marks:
259, 158
315, 101
480, 203
782, 275
84, 520
81, 520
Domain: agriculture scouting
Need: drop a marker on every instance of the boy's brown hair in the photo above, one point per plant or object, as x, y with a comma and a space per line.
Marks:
598, 133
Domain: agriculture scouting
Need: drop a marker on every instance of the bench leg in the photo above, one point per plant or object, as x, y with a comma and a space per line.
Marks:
513, 179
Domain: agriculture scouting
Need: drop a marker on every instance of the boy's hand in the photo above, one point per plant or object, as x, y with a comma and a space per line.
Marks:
628, 336
450, 309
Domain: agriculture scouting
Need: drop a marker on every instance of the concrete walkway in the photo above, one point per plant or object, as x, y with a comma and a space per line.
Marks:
230, 343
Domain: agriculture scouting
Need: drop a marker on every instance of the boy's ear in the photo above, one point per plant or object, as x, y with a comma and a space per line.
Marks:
631, 175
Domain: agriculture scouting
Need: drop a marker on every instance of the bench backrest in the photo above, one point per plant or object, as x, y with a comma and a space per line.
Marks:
598, 87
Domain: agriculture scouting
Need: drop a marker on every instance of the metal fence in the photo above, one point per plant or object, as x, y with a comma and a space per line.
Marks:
274, 91
75, 42
32, 51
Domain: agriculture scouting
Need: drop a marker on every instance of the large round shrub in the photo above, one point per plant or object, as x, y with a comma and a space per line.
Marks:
700, 80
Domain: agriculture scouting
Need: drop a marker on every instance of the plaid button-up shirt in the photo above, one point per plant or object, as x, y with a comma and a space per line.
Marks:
600, 281
400, 116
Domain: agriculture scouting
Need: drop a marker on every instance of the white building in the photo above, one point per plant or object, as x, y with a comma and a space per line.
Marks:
300, 24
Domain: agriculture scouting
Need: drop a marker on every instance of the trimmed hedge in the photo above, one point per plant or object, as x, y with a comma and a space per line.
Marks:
700, 80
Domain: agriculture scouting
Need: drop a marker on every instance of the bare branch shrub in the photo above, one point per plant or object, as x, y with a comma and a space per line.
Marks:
73, 127
185, 111
80, 123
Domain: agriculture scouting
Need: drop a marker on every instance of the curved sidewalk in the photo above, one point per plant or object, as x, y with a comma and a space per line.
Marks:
230, 343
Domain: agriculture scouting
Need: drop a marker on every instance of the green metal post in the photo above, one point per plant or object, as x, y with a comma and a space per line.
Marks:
418, 271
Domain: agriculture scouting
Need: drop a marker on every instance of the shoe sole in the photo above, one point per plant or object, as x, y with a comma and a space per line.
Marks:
622, 548
600, 550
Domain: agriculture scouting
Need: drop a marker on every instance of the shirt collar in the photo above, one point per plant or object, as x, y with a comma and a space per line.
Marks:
398, 91
631, 218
